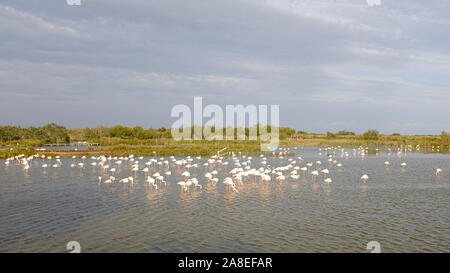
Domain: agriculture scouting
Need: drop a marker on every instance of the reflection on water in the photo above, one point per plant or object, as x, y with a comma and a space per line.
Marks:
364, 188
405, 209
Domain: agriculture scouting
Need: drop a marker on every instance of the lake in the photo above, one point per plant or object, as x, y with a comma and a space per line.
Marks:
405, 209
66, 148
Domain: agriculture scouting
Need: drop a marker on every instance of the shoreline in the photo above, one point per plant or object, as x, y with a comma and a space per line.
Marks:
203, 149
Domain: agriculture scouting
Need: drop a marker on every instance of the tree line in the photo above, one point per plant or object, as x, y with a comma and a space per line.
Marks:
50, 133
53, 133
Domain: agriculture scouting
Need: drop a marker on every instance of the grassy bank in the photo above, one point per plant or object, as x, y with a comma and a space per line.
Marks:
356, 140
138, 136
169, 147
123, 141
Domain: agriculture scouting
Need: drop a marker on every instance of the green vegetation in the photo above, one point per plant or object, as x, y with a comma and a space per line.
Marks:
99, 134
122, 132
330, 135
445, 138
202, 148
120, 140
50, 133
371, 135
371, 138
345, 133
14, 151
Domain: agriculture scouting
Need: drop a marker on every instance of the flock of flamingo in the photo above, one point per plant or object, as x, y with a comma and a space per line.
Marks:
157, 172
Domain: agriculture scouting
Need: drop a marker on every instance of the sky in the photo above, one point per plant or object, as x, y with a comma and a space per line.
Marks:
330, 65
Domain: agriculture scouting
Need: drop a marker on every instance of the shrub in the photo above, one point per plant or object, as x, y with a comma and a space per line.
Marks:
345, 133
330, 135
371, 135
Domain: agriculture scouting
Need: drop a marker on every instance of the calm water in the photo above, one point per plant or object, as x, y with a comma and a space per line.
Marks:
405, 210
66, 148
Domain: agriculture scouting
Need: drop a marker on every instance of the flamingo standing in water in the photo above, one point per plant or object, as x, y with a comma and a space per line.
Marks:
151, 182
196, 184
208, 176
188, 184
160, 180
295, 176
186, 174
214, 181
146, 170
325, 172
135, 169
304, 170
314, 174
108, 181
364, 178
182, 185
230, 184
124, 181
281, 178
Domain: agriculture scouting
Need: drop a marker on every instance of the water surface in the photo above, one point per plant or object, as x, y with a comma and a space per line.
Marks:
404, 209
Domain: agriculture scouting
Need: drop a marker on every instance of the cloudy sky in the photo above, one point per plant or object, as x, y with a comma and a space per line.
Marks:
329, 64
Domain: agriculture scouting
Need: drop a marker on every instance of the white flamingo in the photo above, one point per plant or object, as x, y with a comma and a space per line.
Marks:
325, 172
364, 178
314, 174
230, 184
182, 185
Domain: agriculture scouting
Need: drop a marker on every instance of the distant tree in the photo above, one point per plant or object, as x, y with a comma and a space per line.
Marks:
90, 133
50, 133
330, 135
287, 131
396, 134
445, 137
344, 133
138, 132
371, 135
120, 131
54, 133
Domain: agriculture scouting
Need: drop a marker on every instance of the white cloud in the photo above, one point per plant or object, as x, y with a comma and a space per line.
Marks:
374, 2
